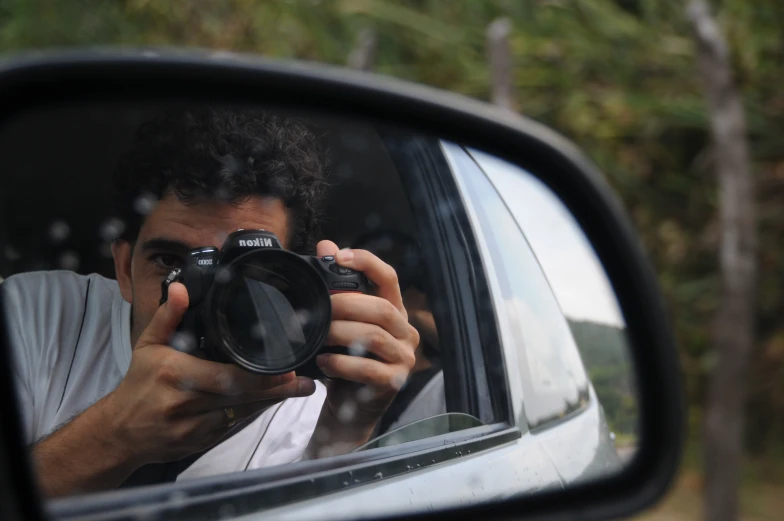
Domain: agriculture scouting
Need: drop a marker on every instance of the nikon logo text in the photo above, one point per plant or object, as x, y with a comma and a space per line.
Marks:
264, 242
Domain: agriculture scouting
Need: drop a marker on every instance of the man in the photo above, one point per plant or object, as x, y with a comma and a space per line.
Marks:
102, 393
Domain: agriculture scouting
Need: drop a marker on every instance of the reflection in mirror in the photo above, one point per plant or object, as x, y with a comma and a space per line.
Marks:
584, 295
582, 289
193, 292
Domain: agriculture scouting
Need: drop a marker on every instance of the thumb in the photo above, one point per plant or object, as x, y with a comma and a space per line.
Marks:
166, 319
326, 248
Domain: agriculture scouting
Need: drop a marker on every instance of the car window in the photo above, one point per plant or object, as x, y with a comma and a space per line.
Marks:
180, 273
555, 382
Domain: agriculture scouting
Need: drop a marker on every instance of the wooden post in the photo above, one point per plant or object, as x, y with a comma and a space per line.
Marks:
734, 327
500, 56
364, 53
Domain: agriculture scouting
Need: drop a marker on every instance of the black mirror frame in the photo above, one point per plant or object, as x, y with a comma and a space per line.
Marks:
38, 79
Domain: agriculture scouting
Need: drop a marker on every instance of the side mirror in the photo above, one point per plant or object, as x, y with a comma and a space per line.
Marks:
525, 281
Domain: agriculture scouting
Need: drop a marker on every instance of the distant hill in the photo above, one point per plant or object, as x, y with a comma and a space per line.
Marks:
605, 354
599, 344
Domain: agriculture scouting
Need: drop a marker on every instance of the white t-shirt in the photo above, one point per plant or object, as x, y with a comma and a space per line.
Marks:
70, 340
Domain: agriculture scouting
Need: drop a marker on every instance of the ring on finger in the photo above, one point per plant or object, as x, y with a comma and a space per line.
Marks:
231, 418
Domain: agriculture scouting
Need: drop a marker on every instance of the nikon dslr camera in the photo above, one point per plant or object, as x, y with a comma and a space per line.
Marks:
259, 306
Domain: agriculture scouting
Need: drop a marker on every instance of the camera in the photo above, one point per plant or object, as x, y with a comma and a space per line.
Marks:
259, 306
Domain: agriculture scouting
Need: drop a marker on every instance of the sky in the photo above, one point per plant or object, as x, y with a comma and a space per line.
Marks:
564, 252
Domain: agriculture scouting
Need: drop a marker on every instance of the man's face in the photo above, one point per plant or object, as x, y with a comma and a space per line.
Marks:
173, 228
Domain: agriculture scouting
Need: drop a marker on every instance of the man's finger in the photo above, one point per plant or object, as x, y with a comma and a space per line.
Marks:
363, 370
298, 387
166, 319
371, 338
324, 248
225, 379
371, 310
377, 271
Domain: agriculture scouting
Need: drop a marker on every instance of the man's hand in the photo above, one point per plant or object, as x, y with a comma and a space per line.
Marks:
362, 387
169, 405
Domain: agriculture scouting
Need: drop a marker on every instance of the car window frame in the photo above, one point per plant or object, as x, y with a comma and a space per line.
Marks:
262, 489
475, 381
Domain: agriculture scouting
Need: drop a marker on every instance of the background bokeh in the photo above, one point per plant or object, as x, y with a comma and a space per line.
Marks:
616, 76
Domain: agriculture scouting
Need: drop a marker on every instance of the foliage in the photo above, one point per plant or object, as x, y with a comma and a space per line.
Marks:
616, 76
604, 351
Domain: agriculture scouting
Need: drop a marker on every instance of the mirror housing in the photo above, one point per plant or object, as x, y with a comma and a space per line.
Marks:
36, 80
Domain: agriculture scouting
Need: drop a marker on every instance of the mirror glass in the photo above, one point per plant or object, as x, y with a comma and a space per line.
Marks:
457, 339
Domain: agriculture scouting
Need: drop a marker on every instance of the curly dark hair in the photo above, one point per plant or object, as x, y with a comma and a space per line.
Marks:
229, 155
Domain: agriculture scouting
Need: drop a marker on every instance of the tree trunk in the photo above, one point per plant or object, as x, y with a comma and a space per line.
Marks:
500, 57
734, 327
364, 53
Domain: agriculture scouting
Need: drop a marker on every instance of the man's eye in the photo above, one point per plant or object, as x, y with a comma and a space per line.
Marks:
166, 261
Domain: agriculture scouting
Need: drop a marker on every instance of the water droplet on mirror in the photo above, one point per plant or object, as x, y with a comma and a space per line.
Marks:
222, 193
373, 221
257, 331
347, 411
220, 237
364, 394
444, 209
223, 275
398, 380
146, 514
321, 434
178, 497
183, 341
59, 231
12, 253
357, 349
69, 260
111, 229
145, 204
302, 316
226, 511
105, 250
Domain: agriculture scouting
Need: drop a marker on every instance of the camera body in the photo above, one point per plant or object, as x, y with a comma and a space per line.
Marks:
259, 306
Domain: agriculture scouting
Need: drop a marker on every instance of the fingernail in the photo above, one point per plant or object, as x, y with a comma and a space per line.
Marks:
305, 386
322, 360
345, 255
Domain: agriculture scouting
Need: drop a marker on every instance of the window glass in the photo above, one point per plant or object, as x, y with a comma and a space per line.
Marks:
179, 276
550, 363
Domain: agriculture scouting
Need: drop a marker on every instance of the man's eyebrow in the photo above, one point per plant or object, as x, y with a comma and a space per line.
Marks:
161, 244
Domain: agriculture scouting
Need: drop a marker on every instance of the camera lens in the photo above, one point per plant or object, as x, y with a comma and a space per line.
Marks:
271, 310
